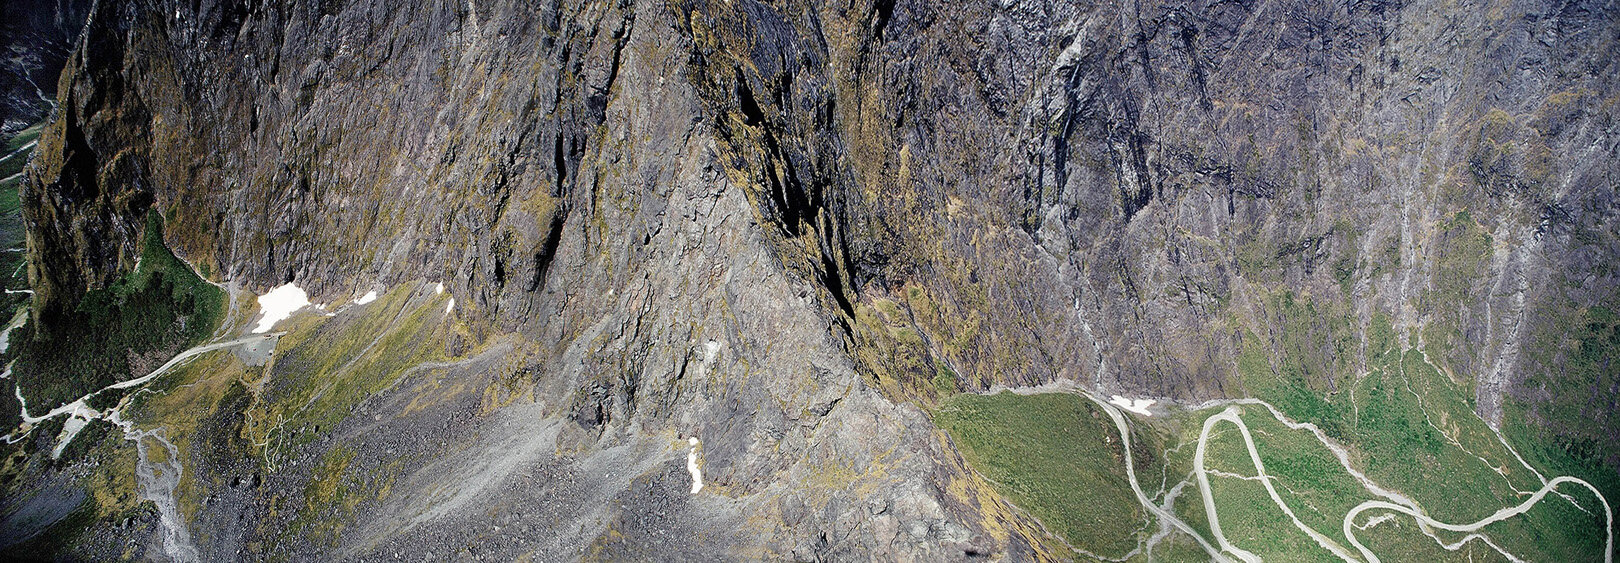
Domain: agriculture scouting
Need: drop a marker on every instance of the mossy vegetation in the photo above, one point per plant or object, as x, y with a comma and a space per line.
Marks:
1545, 449
1560, 418
1058, 457
131, 326
1393, 417
896, 357
1582, 354
1303, 364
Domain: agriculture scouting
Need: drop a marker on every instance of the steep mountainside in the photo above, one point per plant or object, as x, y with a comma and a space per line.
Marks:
38, 36
792, 231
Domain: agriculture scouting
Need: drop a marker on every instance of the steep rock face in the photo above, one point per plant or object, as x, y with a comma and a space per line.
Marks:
551, 168
88, 191
1124, 198
704, 219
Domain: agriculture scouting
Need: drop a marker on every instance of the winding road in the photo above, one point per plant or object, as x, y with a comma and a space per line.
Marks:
1136, 487
1500, 515
79, 408
1223, 550
1407, 507
1231, 415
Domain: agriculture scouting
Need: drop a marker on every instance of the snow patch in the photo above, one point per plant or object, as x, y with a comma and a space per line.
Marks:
1138, 406
692, 465
280, 304
438, 288
450, 306
367, 298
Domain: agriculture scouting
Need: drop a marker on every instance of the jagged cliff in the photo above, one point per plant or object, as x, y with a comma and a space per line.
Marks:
789, 228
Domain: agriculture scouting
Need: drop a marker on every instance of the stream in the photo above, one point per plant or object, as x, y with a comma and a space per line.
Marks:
157, 483
156, 480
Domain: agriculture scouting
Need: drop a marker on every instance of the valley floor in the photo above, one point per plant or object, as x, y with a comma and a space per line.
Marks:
1277, 489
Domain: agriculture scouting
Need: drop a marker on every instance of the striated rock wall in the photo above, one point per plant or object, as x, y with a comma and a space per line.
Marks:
765, 223
1123, 197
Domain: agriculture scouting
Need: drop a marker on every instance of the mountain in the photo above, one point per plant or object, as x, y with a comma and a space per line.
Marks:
39, 35
570, 260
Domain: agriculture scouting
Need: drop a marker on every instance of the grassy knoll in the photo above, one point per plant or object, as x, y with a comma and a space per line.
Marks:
1054, 455
133, 325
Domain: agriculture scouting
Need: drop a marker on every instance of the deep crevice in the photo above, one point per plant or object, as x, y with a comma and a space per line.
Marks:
548, 250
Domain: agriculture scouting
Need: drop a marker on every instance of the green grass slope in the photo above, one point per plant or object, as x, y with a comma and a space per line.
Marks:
1058, 457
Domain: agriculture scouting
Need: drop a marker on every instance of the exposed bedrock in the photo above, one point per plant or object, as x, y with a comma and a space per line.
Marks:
784, 228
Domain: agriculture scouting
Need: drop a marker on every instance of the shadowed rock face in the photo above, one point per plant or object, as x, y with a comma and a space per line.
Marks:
712, 219
38, 37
